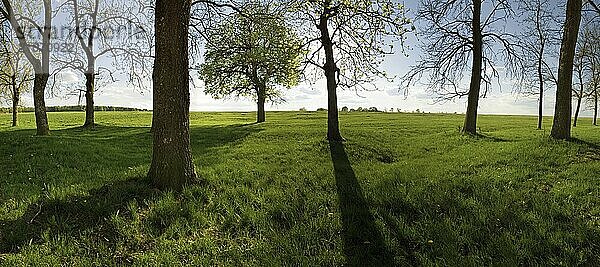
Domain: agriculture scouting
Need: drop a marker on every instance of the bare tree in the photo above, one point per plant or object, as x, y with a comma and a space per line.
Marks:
540, 39
111, 29
586, 66
579, 66
594, 6
347, 41
15, 72
593, 85
460, 31
206, 16
38, 54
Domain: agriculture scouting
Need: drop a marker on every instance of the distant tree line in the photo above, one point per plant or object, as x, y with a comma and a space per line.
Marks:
72, 108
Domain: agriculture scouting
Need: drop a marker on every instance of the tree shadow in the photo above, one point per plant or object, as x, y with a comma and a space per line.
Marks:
74, 215
92, 157
206, 137
487, 137
102, 159
363, 243
590, 145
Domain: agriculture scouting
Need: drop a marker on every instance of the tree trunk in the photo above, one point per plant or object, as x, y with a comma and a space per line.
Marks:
39, 103
561, 128
596, 107
260, 114
470, 125
541, 81
172, 166
541, 107
330, 68
15, 104
579, 98
89, 99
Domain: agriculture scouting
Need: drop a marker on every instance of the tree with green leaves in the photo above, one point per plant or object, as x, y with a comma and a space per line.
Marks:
252, 54
347, 41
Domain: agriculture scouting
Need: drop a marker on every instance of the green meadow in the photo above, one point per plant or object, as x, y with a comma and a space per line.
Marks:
404, 189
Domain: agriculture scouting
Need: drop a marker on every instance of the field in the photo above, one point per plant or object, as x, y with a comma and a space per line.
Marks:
405, 189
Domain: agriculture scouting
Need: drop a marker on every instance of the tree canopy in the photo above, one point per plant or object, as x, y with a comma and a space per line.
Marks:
251, 51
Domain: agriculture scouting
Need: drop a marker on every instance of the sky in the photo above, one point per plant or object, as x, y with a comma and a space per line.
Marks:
313, 96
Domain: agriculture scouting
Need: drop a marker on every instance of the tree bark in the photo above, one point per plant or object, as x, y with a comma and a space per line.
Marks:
561, 128
330, 68
90, 78
39, 103
470, 125
16, 95
172, 166
260, 114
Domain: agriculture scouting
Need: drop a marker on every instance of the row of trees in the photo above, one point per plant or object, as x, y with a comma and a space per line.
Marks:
172, 135
15, 73
267, 45
480, 32
254, 47
587, 70
34, 49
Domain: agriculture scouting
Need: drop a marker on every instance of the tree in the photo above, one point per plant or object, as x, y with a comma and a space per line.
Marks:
539, 39
37, 55
99, 30
15, 74
586, 67
348, 40
580, 66
250, 54
172, 165
460, 31
593, 85
561, 128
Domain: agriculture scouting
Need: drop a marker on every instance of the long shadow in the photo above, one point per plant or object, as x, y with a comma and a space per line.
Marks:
74, 215
363, 243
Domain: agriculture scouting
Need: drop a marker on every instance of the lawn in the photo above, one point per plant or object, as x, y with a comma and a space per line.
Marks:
405, 189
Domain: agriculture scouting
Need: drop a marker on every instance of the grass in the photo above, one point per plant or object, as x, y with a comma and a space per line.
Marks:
405, 189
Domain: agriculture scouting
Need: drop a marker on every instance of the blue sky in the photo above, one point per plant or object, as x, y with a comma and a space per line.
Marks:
314, 96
